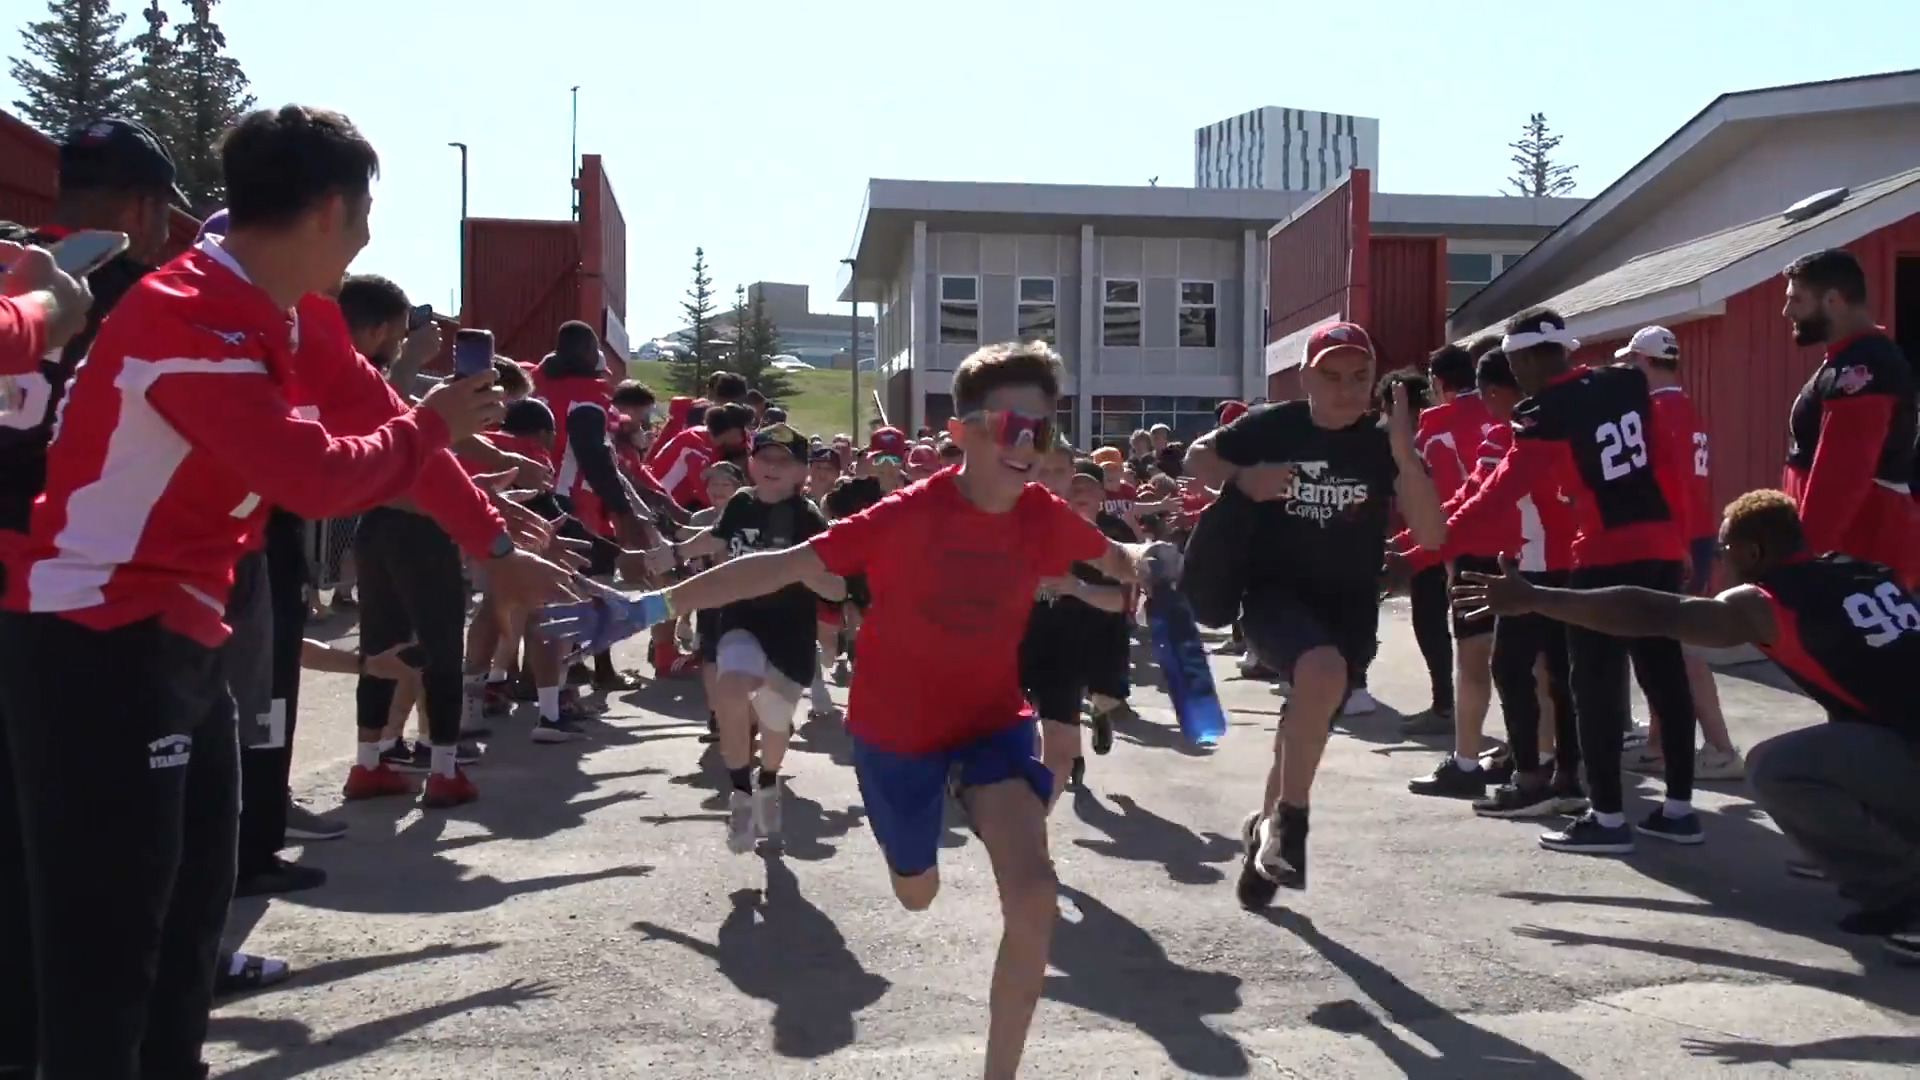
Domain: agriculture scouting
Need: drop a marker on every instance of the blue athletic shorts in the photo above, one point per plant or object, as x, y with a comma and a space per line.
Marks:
1703, 551
906, 794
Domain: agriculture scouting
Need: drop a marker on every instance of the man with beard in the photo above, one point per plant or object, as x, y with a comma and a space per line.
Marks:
1852, 427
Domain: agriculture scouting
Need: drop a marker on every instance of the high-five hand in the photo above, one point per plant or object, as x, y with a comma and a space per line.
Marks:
1505, 593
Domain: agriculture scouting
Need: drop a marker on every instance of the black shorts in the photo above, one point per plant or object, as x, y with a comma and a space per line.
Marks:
1053, 667
706, 632
1281, 627
1464, 627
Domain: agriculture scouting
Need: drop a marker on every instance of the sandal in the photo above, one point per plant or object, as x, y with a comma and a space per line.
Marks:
245, 973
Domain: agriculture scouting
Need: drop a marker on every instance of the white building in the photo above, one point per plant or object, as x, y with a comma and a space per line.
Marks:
1285, 150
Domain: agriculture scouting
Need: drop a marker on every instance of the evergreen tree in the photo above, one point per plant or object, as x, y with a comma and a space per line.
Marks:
1539, 175
687, 373
212, 95
76, 68
759, 342
154, 98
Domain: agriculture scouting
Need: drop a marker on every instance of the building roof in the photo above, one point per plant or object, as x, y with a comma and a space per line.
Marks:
1729, 124
1694, 278
885, 229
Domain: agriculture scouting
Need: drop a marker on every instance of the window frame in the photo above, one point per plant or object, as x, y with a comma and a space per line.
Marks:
1108, 304
940, 330
1052, 305
1212, 305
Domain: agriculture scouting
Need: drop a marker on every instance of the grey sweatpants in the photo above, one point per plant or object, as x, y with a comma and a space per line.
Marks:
1849, 794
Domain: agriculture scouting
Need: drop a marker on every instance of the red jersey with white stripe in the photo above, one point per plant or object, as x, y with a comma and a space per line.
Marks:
1536, 527
1448, 438
681, 463
1676, 427
175, 437
563, 395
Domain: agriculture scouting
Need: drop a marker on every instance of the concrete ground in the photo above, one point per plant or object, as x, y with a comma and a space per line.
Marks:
585, 920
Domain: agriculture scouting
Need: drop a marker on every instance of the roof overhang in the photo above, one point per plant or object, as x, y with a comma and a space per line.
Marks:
1728, 125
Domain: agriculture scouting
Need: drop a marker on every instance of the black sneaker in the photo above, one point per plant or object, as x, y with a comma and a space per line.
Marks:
279, 877
712, 734
1680, 830
1078, 779
1904, 944
1430, 722
579, 675
1498, 769
1588, 837
1449, 781
407, 757
565, 729
1514, 801
1102, 725
1293, 846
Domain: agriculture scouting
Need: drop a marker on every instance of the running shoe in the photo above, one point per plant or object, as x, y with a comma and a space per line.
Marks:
277, 878
1359, 703
405, 756
1251, 668
712, 734
1587, 836
1645, 758
1514, 801
375, 783
445, 792
842, 672
1428, 722
1078, 778
740, 838
495, 701
1449, 781
766, 814
305, 826
1102, 725
1719, 765
1674, 830
564, 730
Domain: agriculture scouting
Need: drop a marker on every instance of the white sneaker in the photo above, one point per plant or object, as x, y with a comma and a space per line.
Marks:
1250, 666
740, 838
1359, 703
1645, 758
1640, 735
766, 813
1711, 764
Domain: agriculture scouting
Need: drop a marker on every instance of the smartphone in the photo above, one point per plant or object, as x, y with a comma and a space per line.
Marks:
83, 252
472, 352
418, 317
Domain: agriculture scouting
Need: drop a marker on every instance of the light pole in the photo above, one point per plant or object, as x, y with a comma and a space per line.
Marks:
853, 344
462, 147
573, 154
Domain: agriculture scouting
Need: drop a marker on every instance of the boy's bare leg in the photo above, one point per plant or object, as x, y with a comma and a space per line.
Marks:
1059, 747
1012, 823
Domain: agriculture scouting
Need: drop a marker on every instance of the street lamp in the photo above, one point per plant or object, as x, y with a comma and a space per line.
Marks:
853, 342
462, 147
573, 154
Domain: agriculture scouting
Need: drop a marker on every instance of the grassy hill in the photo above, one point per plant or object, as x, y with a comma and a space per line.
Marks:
819, 405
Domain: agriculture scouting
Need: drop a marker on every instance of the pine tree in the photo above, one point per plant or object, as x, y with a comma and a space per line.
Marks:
76, 68
212, 95
688, 372
1538, 176
154, 98
759, 343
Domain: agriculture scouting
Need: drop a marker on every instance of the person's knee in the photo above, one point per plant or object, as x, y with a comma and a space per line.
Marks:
1768, 763
916, 891
1320, 670
1027, 894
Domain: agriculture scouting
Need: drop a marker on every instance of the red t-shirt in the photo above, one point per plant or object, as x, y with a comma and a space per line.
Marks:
952, 588
1120, 499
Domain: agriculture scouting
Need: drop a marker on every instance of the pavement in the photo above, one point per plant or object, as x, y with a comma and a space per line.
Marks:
585, 920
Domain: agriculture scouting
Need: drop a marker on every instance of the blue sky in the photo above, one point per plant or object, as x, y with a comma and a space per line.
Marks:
750, 127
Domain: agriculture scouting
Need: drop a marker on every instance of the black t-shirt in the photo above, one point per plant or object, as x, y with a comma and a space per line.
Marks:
1604, 416
783, 621
1870, 365
1328, 535
1849, 634
852, 494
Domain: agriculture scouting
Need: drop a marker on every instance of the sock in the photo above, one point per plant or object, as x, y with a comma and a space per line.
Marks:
1611, 821
1466, 764
1677, 808
769, 777
742, 778
442, 762
497, 675
367, 755
549, 698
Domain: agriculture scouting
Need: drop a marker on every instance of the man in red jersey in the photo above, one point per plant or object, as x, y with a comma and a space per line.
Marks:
953, 564
1588, 431
174, 438
1850, 458
722, 433
1656, 352
1847, 792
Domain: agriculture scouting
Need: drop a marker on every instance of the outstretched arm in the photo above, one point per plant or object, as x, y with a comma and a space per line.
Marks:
1739, 616
745, 578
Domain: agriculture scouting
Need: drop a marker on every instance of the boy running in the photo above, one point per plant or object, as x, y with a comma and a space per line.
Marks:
953, 563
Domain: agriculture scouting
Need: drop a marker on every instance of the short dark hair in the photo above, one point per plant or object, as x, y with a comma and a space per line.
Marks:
1538, 320
528, 416
1479, 346
1769, 518
995, 367
633, 393
575, 336
510, 377
1493, 370
725, 386
1452, 367
731, 416
776, 415
1419, 390
1835, 269
280, 163
370, 301
755, 397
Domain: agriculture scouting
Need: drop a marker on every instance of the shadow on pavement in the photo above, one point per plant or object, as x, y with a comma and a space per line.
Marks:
295, 1053
1139, 835
807, 825
1134, 727
1465, 1050
677, 698
1875, 1049
777, 946
1112, 967
332, 971
825, 735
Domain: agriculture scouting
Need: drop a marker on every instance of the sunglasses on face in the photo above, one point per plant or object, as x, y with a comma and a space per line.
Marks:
1010, 428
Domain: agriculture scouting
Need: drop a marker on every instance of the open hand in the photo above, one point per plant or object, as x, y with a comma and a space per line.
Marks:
1505, 593
468, 406
389, 665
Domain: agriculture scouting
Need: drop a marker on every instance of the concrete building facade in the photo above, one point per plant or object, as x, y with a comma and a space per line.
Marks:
1284, 150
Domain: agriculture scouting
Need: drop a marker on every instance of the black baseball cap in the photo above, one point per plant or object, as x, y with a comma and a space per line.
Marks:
115, 153
783, 437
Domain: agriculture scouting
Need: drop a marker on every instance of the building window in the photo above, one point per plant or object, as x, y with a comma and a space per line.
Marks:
1199, 318
1120, 315
1467, 273
959, 311
1116, 418
1063, 416
1039, 316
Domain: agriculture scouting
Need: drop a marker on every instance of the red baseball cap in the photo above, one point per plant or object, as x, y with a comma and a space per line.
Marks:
1340, 335
922, 457
1229, 411
888, 440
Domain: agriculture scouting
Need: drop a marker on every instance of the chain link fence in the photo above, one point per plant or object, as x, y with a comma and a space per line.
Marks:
327, 545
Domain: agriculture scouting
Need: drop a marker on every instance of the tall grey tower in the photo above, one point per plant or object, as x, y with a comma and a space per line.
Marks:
1285, 150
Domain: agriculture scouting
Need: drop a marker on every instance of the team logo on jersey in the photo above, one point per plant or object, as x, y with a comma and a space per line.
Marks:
1853, 379
1318, 494
169, 751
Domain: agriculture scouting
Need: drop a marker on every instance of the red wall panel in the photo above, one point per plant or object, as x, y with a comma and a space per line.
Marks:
1311, 269
30, 184
1407, 295
521, 281
603, 248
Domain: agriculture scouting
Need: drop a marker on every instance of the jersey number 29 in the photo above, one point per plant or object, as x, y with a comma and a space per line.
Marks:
1623, 446
1884, 614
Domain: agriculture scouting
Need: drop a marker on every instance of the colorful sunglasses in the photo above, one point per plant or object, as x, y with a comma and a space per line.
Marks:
1010, 428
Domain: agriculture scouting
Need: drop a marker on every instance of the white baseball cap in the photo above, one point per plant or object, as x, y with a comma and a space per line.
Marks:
1654, 342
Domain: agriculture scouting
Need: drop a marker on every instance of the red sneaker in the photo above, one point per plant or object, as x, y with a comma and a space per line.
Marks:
375, 783
443, 792
670, 663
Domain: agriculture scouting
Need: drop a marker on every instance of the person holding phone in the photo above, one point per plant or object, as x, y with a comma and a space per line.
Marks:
41, 307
